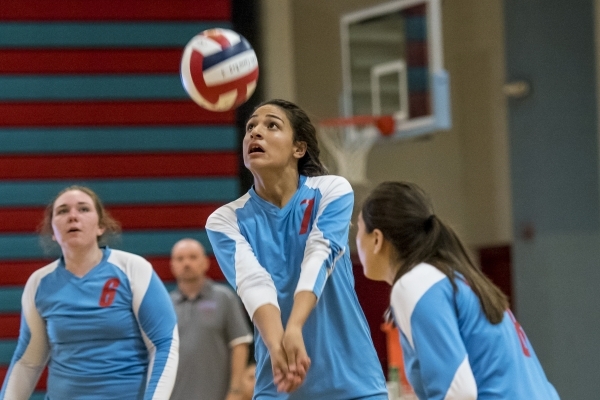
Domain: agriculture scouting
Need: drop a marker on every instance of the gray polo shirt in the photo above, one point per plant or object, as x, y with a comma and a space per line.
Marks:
209, 326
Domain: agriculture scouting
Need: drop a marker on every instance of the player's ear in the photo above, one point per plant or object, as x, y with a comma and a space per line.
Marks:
100, 231
377, 241
300, 149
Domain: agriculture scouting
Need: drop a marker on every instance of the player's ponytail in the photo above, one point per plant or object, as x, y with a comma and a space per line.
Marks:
404, 214
304, 131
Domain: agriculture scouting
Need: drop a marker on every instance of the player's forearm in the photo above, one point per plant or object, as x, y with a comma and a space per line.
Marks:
304, 302
267, 319
239, 360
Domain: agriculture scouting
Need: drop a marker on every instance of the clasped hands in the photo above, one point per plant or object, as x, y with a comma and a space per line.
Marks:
290, 361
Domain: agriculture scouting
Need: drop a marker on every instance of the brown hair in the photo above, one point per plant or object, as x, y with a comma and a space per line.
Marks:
404, 214
112, 228
304, 131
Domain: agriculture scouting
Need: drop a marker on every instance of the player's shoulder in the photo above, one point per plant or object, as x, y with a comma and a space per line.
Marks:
35, 278
333, 184
127, 261
413, 285
227, 212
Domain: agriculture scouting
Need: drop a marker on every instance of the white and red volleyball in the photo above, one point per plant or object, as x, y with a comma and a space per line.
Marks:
219, 69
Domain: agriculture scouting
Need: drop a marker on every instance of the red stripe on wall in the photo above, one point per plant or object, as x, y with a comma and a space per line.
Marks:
119, 165
420, 9
417, 54
16, 273
89, 61
19, 220
9, 326
419, 104
120, 10
41, 385
163, 217
184, 112
179, 216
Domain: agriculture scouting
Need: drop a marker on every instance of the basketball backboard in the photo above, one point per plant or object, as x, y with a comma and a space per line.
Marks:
392, 63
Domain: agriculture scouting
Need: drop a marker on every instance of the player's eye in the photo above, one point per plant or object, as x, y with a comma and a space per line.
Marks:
249, 127
273, 125
61, 211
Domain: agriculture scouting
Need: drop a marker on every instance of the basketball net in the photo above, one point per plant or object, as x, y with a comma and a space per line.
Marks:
349, 140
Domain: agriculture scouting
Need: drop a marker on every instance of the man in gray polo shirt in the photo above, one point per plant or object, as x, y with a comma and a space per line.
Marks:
214, 334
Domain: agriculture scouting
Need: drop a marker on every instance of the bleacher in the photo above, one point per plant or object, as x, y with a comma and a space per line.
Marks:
92, 95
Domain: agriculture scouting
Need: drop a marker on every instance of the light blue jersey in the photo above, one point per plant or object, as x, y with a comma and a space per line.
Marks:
268, 254
451, 350
111, 334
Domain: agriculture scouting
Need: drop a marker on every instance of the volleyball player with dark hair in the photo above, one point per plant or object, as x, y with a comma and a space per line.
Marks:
100, 318
459, 339
284, 247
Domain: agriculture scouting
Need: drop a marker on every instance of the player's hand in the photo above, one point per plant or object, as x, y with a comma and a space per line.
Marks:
279, 364
297, 358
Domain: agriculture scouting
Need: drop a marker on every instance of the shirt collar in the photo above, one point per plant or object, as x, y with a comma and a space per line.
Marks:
206, 290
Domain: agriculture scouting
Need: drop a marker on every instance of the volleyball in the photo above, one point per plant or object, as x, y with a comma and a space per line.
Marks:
219, 69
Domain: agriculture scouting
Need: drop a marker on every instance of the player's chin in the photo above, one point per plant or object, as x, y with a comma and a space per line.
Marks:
257, 164
251, 160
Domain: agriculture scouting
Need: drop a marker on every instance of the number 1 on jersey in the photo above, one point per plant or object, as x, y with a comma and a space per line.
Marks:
307, 212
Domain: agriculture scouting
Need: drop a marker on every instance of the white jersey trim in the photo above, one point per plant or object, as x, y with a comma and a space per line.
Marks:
463, 386
27, 370
164, 387
241, 340
318, 249
407, 292
139, 273
254, 284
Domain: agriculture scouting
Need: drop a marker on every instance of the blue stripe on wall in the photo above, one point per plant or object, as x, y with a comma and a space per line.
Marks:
7, 348
93, 34
27, 246
418, 79
125, 191
10, 298
100, 140
416, 27
91, 87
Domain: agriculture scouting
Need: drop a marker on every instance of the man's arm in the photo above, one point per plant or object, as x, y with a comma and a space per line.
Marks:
239, 360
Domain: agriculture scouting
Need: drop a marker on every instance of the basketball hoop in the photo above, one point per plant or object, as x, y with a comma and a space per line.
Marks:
349, 141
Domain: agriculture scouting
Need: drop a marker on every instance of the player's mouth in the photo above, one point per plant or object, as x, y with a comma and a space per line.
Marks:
255, 148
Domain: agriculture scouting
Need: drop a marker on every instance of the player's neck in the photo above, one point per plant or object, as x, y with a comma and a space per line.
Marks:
276, 187
80, 261
191, 288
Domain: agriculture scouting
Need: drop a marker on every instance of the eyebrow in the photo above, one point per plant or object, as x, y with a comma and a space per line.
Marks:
78, 203
268, 115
